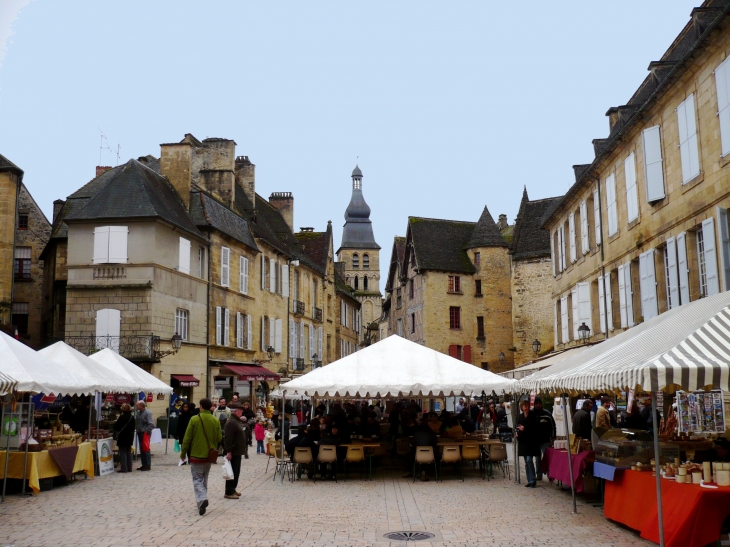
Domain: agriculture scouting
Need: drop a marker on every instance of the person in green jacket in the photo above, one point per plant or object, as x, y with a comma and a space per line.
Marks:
202, 435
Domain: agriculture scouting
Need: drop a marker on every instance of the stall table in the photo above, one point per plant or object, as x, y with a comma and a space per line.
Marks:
692, 515
555, 463
42, 465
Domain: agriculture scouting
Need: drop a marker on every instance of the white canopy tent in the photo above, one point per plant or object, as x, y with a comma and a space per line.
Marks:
86, 371
37, 373
396, 367
141, 379
7, 383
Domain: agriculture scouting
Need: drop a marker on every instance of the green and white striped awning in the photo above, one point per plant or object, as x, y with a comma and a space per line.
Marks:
685, 348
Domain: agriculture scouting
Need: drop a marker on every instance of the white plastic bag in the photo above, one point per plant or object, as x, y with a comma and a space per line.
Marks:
227, 470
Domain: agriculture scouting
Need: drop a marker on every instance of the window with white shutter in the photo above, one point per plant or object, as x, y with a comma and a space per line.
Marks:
239, 329
565, 327
225, 266
285, 280
101, 245
571, 233
243, 275
319, 343
584, 305
181, 323
555, 320
574, 309
632, 193
601, 306
292, 339
272, 275
218, 327
226, 328
597, 215
264, 322
605, 304
671, 273
249, 337
724, 238
278, 336
683, 268
312, 344
561, 247
647, 277
629, 295
708, 237
184, 256
585, 244
272, 333
301, 341
611, 205
110, 245
722, 83
553, 257
653, 163
622, 296
108, 325
688, 145
264, 277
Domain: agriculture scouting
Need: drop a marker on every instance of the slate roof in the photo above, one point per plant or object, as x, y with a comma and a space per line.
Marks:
397, 255
343, 288
316, 245
135, 191
357, 232
441, 244
7, 165
486, 233
530, 240
207, 212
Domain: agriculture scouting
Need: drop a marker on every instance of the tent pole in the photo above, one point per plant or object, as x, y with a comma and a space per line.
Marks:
88, 431
514, 440
7, 448
660, 512
28, 434
570, 455
283, 430
167, 432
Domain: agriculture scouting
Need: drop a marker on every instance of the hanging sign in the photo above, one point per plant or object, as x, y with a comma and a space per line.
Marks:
105, 455
109, 398
122, 398
149, 398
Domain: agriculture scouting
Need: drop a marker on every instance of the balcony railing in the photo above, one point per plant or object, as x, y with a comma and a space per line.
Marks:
110, 273
317, 314
298, 363
298, 307
316, 364
135, 348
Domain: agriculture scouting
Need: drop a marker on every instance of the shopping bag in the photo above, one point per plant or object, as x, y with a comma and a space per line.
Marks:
145, 443
227, 470
177, 446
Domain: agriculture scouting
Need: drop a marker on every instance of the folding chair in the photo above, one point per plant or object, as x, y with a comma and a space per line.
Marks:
328, 457
302, 458
282, 464
451, 454
472, 453
355, 454
498, 456
425, 456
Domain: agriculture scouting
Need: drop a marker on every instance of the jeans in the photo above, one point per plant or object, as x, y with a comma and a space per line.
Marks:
260, 447
530, 469
125, 459
146, 457
232, 484
543, 447
200, 472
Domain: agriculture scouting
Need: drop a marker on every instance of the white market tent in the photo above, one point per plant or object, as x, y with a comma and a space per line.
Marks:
547, 361
684, 348
86, 371
37, 373
141, 379
7, 383
396, 367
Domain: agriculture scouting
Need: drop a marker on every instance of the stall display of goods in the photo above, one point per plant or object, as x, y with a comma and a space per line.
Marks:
627, 448
709, 473
700, 411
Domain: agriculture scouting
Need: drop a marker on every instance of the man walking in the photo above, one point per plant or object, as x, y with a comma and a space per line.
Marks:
202, 435
222, 413
144, 425
235, 446
249, 415
546, 433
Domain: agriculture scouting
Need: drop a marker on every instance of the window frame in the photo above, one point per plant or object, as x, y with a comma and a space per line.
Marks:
455, 317
182, 323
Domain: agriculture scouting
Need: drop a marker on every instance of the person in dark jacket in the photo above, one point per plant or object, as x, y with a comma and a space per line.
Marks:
424, 436
582, 420
235, 445
124, 428
546, 433
528, 447
182, 422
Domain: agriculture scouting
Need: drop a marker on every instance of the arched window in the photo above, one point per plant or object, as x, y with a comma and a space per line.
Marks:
365, 281
366, 261
356, 283
355, 261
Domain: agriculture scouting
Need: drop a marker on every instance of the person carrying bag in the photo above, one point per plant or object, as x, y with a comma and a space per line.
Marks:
200, 445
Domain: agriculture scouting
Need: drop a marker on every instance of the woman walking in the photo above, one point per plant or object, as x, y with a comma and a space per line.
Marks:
124, 427
528, 445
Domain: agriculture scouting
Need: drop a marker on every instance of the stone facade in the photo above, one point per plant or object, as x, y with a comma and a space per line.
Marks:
532, 314
10, 178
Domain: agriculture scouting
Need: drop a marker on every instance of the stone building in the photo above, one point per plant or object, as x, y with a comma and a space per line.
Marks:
644, 228
532, 317
348, 332
361, 255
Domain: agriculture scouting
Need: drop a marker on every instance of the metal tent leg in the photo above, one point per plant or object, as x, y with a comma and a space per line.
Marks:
570, 456
657, 468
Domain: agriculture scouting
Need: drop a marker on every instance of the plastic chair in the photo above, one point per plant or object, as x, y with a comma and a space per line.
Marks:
282, 464
302, 458
498, 456
328, 457
424, 456
472, 453
271, 455
355, 454
451, 454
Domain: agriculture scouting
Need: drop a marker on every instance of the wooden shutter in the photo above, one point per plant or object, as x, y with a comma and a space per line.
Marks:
597, 215
629, 295
243, 275
611, 205
301, 341
467, 354
272, 275
575, 311
263, 333
601, 306
722, 83
184, 259
118, 244
292, 339
622, 296
225, 266
724, 238
555, 320
609, 301
671, 274
553, 258
584, 305
653, 163
708, 237
571, 235
218, 329
226, 328
102, 323
272, 333
285, 280
632, 195
584, 237
312, 344
239, 329
683, 268
688, 151
565, 327
263, 272
319, 343
101, 245
453, 351
278, 336
561, 246
249, 337
647, 276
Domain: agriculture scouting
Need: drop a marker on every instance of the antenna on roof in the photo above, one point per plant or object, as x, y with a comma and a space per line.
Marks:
102, 147
119, 147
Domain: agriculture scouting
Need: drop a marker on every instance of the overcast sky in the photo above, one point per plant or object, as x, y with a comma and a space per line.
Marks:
446, 106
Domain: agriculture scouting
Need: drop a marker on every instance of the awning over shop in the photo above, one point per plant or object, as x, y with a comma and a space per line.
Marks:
186, 380
252, 373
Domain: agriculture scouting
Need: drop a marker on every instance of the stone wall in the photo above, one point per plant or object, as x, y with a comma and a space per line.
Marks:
8, 200
532, 310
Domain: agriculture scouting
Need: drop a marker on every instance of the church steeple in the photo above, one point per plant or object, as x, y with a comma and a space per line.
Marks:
357, 232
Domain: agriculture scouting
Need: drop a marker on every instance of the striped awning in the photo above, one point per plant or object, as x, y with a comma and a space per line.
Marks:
7, 384
685, 348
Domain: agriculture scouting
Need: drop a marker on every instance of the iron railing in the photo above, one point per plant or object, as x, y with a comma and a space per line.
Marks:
317, 314
298, 363
140, 348
298, 307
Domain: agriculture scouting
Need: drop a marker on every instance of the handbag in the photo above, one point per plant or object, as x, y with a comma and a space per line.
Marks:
145, 443
177, 446
228, 471
212, 452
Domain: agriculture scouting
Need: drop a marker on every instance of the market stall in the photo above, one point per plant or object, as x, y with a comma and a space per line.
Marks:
47, 464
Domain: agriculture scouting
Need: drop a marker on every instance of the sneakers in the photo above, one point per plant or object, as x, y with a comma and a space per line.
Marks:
203, 506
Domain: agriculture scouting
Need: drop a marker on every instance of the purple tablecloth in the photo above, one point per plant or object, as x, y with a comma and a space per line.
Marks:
555, 463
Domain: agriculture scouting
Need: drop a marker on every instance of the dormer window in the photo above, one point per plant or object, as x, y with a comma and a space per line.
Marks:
355, 261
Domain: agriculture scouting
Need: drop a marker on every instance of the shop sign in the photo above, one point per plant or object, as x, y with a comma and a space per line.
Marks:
48, 398
105, 455
149, 398
109, 398
122, 398
250, 378
160, 396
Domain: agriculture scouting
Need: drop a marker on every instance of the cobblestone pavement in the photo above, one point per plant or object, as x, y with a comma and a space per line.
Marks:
157, 509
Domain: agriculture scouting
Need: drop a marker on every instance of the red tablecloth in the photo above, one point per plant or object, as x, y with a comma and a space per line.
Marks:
692, 514
555, 463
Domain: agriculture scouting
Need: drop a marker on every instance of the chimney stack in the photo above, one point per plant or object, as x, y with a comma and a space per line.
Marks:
176, 163
284, 203
57, 206
502, 222
101, 169
246, 178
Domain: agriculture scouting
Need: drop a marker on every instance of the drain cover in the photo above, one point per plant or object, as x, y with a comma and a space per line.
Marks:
409, 536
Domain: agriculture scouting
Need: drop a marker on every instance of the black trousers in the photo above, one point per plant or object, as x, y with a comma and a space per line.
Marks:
231, 485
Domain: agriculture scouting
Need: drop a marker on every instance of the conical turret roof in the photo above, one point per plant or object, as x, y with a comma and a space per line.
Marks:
486, 233
357, 232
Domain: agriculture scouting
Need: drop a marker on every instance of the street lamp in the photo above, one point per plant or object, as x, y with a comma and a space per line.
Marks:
176, 342
536, 345
584, 331
270, 350
501, 357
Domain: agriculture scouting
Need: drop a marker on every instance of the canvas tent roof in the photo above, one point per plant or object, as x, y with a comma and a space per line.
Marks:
141, 379
684, 348
87, 371
396, 367
7, 383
